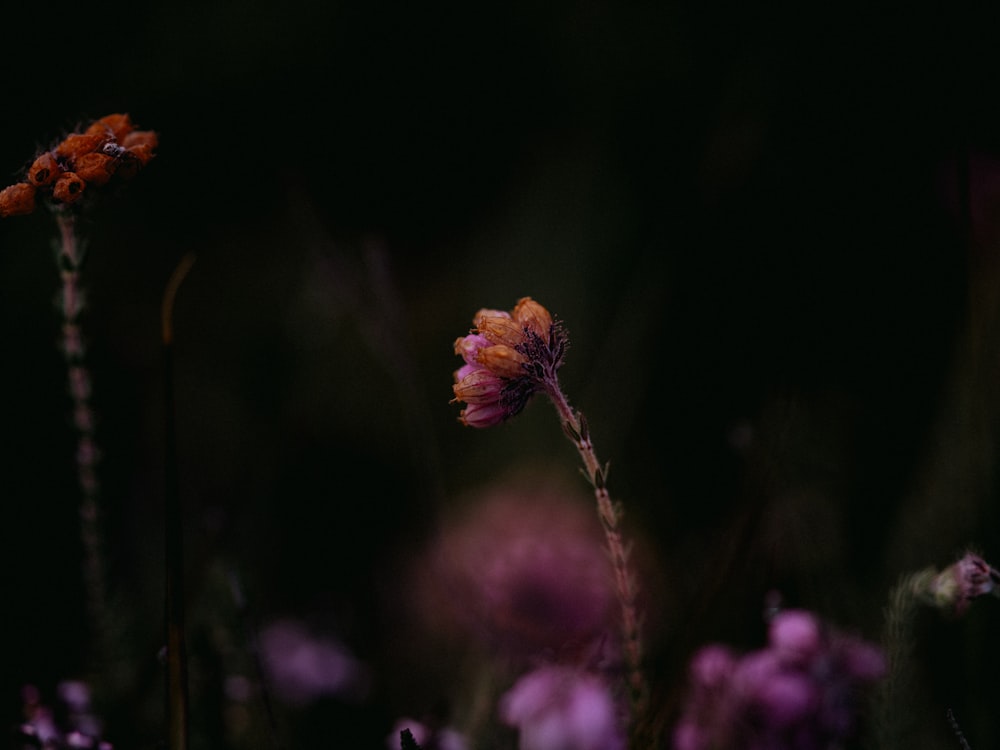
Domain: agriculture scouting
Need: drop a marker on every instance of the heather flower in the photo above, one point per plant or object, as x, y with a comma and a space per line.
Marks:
560, 708
109, 148
954, 588
508, 358
302, 667
71, 725
800, 692
523, 571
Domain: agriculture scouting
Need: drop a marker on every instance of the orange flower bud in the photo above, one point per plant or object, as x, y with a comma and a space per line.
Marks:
44, 170
478, 387
78, 144
68, 188
531, 315
142, 153
141, 138
127, 166
502, 360
96, 168
17, 200
117, 126
501, 330
486, 312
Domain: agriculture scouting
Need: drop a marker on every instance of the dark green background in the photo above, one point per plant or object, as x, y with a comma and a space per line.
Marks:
753, 223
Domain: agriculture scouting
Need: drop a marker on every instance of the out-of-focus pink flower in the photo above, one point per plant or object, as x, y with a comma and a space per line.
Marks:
560, 708
800, 692
77, 728
523, 571
302, 667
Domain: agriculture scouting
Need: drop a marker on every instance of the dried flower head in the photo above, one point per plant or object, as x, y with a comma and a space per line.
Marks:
110, 148
508, 358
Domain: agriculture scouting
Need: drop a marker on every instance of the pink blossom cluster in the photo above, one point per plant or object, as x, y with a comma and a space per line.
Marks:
70, 725
563, 708
801, 692
522, 571
302, 667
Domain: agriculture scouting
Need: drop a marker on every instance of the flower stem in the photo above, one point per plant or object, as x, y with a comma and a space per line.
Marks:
575, 426
177, 677
70, 258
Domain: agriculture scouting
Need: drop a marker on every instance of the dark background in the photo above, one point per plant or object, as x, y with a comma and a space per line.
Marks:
771, 235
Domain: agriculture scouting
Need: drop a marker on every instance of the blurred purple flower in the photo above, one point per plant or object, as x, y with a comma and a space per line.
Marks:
524, 571
800, 692
301, 667
77, 728
560, 708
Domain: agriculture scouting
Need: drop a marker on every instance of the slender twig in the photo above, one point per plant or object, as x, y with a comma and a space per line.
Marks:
177, 685
575, 427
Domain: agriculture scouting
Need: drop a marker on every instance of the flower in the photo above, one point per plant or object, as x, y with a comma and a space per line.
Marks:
69, 725
109, 148
799, 692
522, 571
562, 708
302, 667
508, 358
954, 588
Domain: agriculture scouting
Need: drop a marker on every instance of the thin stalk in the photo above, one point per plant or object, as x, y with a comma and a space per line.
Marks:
70, 257
177, 678
610, 514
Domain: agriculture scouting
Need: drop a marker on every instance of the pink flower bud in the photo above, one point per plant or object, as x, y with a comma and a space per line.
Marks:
482, 415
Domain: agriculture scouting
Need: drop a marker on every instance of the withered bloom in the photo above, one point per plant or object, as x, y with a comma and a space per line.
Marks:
110, 148
508, 358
